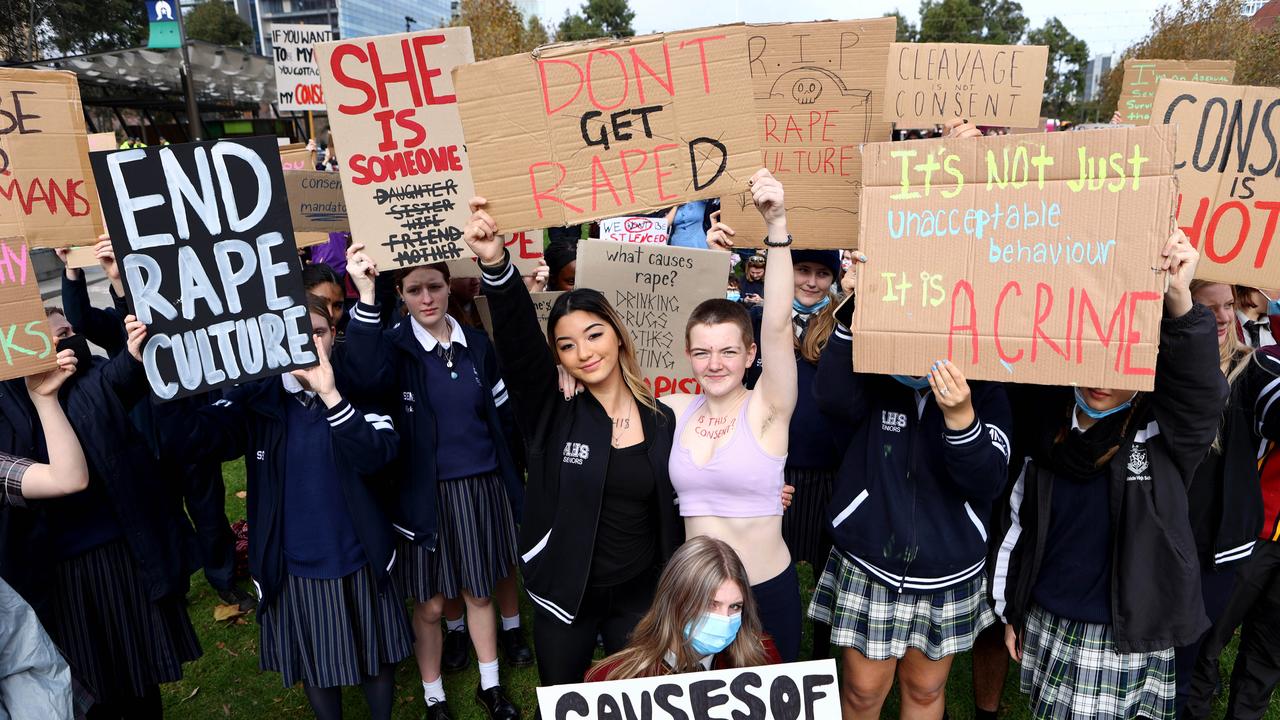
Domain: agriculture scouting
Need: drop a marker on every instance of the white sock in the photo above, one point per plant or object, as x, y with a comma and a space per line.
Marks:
433, 692
511, 623
488, 674
459, 624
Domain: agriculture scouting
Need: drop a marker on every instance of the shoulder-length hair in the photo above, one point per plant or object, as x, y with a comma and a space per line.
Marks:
594, 302
685, 590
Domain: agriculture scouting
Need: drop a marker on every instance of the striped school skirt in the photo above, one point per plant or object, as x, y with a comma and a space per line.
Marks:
329, 633
1071, 670
882, 623
805, 523
476, 545
117, 642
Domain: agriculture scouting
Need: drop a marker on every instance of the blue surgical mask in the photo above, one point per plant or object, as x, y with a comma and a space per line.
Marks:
1099, 414
1273, 307
809, 309
714, 633
914, 383
733, 295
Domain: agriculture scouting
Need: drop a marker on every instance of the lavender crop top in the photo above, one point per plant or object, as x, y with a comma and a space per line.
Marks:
740, 481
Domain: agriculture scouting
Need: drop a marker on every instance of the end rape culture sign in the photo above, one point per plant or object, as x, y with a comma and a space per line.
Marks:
206, 251
1022, 258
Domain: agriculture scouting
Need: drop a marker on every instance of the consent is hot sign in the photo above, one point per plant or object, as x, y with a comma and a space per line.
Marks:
206, 250
394, 116
607, 128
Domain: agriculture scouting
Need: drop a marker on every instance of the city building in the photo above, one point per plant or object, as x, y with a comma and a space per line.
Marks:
348, 18
1095, 75
1249, 7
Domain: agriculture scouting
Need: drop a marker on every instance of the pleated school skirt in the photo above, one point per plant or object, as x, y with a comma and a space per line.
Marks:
334, 632
476, 545
804, 524
117, 641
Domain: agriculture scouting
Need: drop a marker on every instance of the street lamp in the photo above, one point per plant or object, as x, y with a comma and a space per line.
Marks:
407, 22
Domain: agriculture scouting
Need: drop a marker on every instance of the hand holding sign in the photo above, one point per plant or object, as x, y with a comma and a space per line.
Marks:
362, 270
137, 335
1180, 260
319, 379
47, 383
766, 193
718, 235
482, 234
959, 128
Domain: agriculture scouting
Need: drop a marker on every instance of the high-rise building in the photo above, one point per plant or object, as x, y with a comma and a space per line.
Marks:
348, 18
1249, 7
1095, 74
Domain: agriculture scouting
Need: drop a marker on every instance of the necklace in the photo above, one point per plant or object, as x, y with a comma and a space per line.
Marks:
621, 425
446, 352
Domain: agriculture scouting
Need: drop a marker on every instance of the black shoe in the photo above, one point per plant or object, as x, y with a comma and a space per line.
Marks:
439, 711
496, 703
514, 647
241, 599
455, 654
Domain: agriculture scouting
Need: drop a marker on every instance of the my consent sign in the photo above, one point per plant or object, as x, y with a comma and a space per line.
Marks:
47, 193
931, 83
405, 171
26, 345
297, 78
1138, 88
1022, 258
206, 251
606, 128
818, 88
1228, 169
793, 691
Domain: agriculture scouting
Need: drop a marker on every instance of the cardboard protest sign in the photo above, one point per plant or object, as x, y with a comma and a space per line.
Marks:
405, 169
635, 229
525, 249
47, 192
792, 691
99, 142
297, 78
307, 239
27, 345
202, 236
931, 83
1228, 191
316, 203
1021, 258
818, 87
655, 288
605, 128
82, 256
1138, 88
542, 302
297, 157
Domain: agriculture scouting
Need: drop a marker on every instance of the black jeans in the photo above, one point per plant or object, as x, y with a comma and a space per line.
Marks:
1216, 587
206, 500
565, 650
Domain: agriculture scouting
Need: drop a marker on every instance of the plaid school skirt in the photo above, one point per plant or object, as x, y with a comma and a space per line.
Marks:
881, 623
1071, 670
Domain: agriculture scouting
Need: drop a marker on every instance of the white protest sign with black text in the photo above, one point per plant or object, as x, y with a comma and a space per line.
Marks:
297, 77
207, 255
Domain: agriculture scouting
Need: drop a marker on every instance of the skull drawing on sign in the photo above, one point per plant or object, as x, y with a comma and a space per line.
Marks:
806, 90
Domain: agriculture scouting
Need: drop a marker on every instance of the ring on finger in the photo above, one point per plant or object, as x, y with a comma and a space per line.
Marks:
945, 392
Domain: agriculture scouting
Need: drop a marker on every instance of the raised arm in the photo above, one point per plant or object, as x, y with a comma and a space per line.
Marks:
777, 384
67, 471
365, 367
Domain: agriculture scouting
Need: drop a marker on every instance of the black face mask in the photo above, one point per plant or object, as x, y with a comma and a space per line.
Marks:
80, 344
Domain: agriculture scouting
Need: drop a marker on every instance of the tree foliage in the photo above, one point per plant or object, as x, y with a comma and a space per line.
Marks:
997, 22
535, 33
1064, 81
907, 31
498, 29
597, 18
217, 22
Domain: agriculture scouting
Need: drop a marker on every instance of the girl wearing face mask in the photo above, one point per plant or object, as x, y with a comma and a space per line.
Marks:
600, 516
703, 617
903, 588
456, 477
1097, 576
320, 545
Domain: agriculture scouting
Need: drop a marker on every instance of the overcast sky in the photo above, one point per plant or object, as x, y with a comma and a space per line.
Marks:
1106, 25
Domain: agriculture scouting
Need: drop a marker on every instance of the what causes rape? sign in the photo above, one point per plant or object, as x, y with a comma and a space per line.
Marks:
206, 251
1019, 258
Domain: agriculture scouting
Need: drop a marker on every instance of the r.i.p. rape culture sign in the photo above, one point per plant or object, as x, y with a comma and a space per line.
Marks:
1023, 258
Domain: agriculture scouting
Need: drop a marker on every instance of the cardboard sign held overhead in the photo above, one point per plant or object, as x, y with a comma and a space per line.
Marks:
526, 254
542, 302
206, 251
47, 193
791, 691
1023, 258
297, 77
636, 229
405, 170
29, 347
1138, 88
819, 90
316, 202
931, 83
655, 288
1228, 200
584, 131
297, 157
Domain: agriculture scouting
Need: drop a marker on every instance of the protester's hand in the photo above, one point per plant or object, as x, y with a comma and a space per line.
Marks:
788, 492
569, 384
1179, 260
64, 254
752, 299
1117, 118
718, 236
959, 128
1011, 642
311, 145
137, 332
47, 383
537, 282
106, 255
849, 280
482, 234
362, 270
951, 392
766, 193
319, 379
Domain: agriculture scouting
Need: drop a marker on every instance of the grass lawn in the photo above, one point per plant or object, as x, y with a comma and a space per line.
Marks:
226, 682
